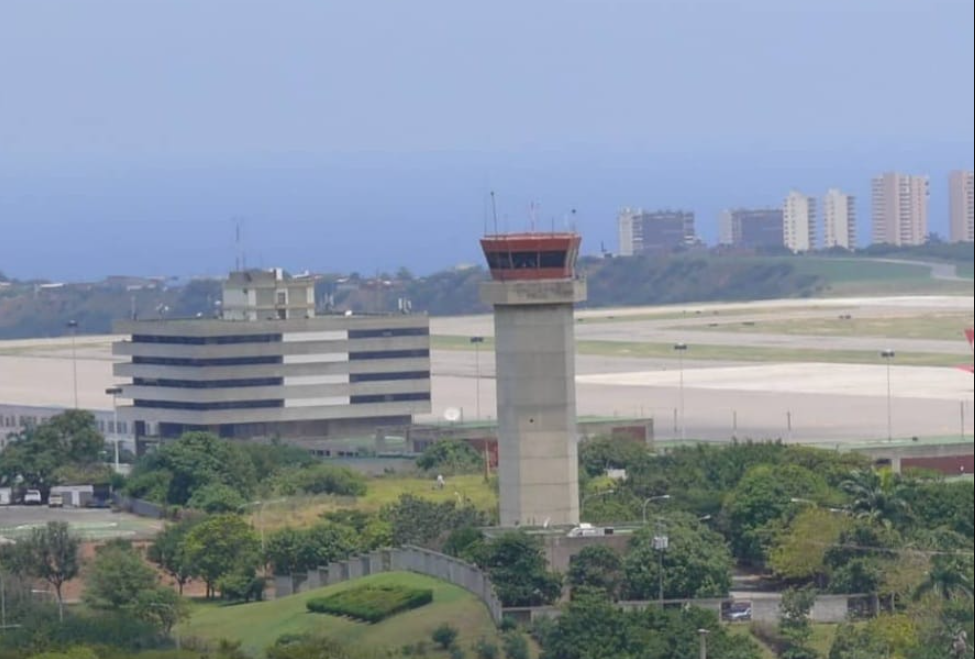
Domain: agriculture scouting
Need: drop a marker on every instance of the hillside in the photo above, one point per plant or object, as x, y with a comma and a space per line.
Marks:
258, 625
30, 310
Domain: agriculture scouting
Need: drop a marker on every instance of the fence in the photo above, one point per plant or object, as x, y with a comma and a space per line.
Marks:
139, 507
409, 559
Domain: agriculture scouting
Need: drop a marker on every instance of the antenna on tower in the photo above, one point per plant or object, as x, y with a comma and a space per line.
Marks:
573, 225
531, 215
494, 212
240, 260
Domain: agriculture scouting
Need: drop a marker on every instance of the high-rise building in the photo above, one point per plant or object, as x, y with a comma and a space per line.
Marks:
900, 209
839, 220
533, 288
751, 228
642, 232
962, 201
799, 222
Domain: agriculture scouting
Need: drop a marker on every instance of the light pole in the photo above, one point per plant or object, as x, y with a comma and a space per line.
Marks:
703, 634
73, 326
660, 544
114, 393
680, 349
646, 502
477, 341
888, 355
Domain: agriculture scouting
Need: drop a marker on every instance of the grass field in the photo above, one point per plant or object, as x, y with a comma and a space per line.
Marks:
933, 326
258, 625
725, 353
306, 510
965, 270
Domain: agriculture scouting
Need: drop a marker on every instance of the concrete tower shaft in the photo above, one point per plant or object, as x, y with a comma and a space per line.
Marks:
533, 290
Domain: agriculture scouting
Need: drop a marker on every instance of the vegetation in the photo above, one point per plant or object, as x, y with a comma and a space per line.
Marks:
450, 457
371, 603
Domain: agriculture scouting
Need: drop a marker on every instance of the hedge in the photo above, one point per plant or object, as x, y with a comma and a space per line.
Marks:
371, 603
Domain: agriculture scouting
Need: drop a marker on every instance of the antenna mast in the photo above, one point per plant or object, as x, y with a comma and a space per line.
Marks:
494, 212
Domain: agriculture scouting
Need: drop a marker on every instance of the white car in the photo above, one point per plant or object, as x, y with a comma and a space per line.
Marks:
32, 498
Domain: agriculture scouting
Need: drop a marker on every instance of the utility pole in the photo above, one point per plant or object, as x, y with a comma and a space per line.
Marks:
73, 326
888, 355
477, 341
681, 348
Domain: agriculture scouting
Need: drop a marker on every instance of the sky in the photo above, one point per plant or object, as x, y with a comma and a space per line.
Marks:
368, 135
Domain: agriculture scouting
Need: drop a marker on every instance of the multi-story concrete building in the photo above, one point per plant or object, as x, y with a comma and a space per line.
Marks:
266, 294
751, 228
799, 222
533, 288
839, 220
270, 368
900, 209
642, 232
962, 206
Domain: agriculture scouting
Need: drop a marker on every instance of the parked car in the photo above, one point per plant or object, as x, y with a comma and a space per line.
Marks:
55, 501
32, 498
738, 612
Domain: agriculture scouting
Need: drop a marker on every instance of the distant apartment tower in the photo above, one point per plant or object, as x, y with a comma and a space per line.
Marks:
267, 295
799, 222
751, 228
962, 202
839, 220
900, 209
642, 232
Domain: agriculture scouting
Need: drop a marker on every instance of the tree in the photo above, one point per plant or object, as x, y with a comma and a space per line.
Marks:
445, 636
518, 570
219, 546
794, 623
299, 550
322, 478
168, 551
876, 496
51, 553
764, 495
161, 607
215, 498
696, 563
798, 553
193, 461
950, 576
451, 456
596, 566
34, 458
418, 521
117, 576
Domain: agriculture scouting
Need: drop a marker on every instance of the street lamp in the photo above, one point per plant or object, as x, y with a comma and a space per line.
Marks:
646, 502
660, 544
477, 341
703, 634
114, 393
73, 326
680, 349
888, 355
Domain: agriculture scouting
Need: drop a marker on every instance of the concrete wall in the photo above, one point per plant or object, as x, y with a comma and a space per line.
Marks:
409, 559
765, 608
559, 549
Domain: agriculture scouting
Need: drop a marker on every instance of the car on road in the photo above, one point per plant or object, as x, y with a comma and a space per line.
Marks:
32, 498
738, 612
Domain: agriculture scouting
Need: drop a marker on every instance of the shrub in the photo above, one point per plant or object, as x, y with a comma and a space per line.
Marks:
371, 603
485, 649
515, 645
444, 636
323, 479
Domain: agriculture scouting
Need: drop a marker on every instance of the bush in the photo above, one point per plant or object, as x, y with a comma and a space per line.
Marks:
323, 479
515, 646
371, 603
216, 498
485, 649
451, 456
445, 636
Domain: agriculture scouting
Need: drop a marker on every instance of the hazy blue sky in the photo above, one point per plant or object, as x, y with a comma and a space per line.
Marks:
366, 134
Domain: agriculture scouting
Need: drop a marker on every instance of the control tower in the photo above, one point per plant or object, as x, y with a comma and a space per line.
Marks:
533, 289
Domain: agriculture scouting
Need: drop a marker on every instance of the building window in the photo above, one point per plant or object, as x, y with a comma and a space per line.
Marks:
387, 377
382, 333
389, 354
206, 340
390, 398
226, 361
225, 405
208, 384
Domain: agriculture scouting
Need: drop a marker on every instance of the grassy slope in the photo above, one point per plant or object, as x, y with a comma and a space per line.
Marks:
303, 511
258, 625
945, 326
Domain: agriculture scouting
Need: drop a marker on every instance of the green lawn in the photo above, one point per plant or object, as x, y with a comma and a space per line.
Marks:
945, 326
258, 625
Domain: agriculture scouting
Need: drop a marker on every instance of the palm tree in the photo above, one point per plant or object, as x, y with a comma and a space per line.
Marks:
948, 578
878, 497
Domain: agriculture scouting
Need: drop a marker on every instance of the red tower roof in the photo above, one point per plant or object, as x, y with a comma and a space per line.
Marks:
531, 256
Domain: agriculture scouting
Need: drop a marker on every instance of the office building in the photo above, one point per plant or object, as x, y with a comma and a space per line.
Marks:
962, 203
273, 370
647, 232
799, 222
751, 228
532, 289
839, 220
900, 209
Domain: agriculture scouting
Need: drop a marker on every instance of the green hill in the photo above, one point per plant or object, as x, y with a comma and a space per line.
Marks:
258, 625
